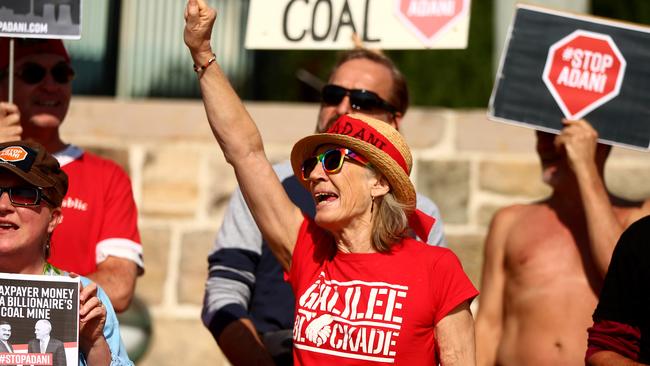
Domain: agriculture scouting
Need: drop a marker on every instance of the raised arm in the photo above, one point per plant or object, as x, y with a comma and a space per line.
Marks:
489, 319
277, 217
604, 227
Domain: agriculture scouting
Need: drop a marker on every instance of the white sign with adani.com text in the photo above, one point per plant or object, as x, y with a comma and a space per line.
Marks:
40, 19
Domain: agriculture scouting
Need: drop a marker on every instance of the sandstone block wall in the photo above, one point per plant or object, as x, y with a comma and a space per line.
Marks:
468, 165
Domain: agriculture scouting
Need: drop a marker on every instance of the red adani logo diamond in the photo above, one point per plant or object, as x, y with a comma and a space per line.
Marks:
583, 71
429, 19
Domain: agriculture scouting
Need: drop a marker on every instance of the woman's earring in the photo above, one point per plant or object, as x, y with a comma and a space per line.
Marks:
46, 247
372, 207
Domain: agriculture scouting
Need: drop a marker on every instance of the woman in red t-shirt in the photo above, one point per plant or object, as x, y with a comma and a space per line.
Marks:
365, 292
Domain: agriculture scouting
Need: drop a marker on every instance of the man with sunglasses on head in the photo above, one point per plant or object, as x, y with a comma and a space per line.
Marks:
99, 237
248, 307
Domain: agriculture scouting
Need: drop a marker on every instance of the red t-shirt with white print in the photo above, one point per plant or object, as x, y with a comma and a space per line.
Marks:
99, 214
373, 308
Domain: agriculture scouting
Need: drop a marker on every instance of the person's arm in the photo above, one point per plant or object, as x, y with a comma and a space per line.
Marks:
609, 358
110, 330
489, 319
579, 139
242, 346
231, 276
117, 277
455, 337
277, 217
118, 252
613, 343
10, 127
615, 337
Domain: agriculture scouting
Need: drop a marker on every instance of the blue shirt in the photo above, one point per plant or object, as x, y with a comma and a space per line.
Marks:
119, 357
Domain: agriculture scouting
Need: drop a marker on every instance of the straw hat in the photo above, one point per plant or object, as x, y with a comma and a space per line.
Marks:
373, 139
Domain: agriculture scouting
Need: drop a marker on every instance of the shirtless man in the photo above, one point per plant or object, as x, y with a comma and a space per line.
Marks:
545, 262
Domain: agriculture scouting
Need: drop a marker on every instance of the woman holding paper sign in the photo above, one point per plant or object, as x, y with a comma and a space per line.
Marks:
32, 186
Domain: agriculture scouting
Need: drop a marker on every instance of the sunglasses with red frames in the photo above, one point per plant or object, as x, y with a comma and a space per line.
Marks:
25, 196
32, 73
360, 99
331, 160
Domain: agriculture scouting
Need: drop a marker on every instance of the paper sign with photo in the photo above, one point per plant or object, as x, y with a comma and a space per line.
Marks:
39, 320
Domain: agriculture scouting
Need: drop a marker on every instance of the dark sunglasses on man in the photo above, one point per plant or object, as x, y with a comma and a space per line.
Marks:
33, 73
360, 99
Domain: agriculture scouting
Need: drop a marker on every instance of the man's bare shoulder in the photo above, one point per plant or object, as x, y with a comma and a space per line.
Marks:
513, 213
510, 222
630, 211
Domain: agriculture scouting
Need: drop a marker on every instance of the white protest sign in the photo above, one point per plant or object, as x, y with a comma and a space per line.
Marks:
330, 24
40, 19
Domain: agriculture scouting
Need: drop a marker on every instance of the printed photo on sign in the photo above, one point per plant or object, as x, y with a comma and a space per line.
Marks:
39, 318
40, 19
331, 24
558, 65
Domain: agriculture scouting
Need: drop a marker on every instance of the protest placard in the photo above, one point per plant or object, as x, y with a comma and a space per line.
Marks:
40, 19
39, 318
560, 65
330, 24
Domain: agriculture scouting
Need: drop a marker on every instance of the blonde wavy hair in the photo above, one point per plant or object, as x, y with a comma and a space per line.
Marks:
390, 219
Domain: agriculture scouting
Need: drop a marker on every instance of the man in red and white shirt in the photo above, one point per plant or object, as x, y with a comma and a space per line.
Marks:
98, 237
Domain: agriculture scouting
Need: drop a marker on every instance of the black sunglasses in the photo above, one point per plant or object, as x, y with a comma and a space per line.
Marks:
360, 99
33, 73
25, 196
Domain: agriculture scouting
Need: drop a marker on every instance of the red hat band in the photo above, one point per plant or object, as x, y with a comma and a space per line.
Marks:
362, 131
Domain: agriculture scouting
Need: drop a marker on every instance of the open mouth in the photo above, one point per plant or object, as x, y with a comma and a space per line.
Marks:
321, 197
8, 226
47, 103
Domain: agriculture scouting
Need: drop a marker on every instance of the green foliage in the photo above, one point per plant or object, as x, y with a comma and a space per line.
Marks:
637, 11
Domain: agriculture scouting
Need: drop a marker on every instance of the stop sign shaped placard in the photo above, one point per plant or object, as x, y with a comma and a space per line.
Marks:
583, 71
429, 19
